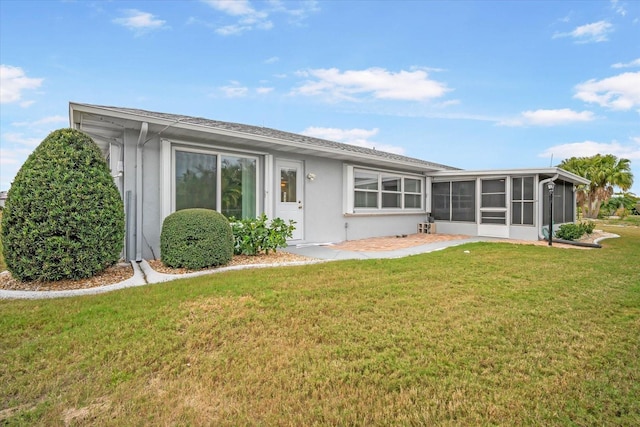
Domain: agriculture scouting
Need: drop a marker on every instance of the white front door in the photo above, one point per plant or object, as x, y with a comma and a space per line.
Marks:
290, 194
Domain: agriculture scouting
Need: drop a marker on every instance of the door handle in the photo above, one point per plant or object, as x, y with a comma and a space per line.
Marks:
299, 204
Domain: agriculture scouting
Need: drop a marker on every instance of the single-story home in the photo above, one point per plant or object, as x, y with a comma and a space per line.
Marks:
334, 192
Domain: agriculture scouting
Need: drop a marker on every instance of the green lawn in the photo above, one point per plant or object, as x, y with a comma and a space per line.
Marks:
502, 335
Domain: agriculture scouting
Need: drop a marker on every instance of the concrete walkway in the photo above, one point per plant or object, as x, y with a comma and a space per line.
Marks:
143, 274
327, 252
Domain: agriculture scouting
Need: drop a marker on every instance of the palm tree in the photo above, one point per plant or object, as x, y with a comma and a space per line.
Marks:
605, 172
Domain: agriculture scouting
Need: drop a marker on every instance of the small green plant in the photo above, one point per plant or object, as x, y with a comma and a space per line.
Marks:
588, 226
573, 231
64, 216
622, 212
255, 236
195, 239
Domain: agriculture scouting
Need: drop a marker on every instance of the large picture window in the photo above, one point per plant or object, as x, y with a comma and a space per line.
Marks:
522, 202
376, 190
454, 201
226, 183
196, 180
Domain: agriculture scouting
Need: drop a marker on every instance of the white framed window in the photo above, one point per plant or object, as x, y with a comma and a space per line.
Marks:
522, 200
493, 201
370, 191
225, 182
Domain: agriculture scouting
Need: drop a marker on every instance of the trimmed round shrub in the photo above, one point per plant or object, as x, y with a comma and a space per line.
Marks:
195, 239
64, 217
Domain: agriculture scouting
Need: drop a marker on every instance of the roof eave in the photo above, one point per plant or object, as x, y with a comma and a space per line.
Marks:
178, 124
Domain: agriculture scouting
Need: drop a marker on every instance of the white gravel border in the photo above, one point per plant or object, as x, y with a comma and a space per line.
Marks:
143, 275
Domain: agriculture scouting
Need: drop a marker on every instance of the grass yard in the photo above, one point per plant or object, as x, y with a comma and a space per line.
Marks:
503, 335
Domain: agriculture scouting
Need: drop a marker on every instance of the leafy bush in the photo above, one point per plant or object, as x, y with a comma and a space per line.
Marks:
195, 239
588, 226
254, 236
64, 217
622, 212
574, 231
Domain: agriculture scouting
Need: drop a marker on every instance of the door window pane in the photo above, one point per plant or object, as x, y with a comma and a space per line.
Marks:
195, 180
238, 186
528, 188
288, 180
527, 213
517, 189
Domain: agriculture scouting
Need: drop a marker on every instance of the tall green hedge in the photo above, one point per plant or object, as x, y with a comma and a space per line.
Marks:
64, 218
195, 239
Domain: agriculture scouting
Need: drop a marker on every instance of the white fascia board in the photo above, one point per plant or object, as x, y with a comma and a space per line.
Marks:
502, 172
247, 136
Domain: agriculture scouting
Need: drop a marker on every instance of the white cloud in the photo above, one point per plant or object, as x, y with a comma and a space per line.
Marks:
357, 137
264, 90
621, 92
271, 60
249, 18
140, 22
595, 32
231, 7
13, 81
634, 63
234, 90
548, 118
620, 9
20, 139
296, 15
377, 82
591, 148
44, 121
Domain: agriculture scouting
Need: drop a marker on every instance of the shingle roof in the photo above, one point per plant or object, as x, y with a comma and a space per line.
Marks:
303, 140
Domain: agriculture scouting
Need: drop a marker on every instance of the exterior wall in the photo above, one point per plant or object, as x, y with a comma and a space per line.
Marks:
129, 192
523, 232
364, 226
466, 228
152, 217
324, 219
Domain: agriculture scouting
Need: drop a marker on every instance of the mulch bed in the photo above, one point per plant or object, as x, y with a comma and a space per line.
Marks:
111, 275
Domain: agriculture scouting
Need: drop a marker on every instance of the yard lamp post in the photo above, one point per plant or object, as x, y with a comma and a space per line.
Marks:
551, 185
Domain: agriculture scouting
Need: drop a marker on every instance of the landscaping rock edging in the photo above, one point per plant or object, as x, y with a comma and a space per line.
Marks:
143, 275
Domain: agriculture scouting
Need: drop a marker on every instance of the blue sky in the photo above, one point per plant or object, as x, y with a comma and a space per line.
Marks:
471, 84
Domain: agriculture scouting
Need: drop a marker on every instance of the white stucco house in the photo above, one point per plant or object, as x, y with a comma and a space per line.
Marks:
334, 192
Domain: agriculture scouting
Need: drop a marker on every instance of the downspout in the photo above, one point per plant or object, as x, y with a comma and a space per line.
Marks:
541, 203
139, 148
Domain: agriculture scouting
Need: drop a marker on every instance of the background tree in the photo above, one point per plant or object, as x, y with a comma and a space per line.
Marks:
605, 173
